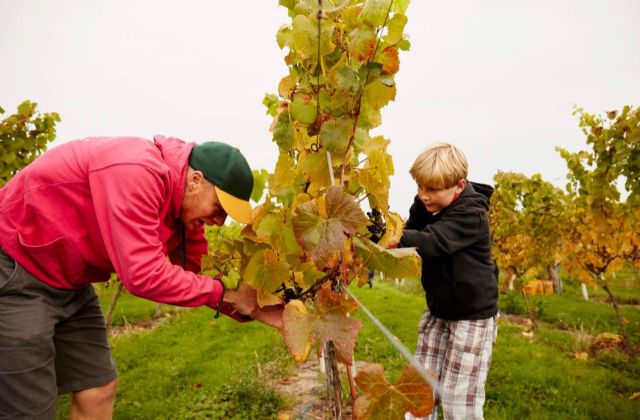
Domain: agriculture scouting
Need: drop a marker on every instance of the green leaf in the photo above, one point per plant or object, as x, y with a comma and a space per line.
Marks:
394, 263
334, 135
304, 108
343, 77
272, 103
259, 183
231, 280
265, 271
314, 168
377, 189
282, 183
305, 37
400, 6
284, 37
376, 94
381, 400
283, 130
374, 12
289, 4
396, 28
404, 45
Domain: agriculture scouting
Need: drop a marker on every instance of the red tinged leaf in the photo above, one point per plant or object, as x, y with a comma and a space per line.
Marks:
321, 236
381, 400
329, 322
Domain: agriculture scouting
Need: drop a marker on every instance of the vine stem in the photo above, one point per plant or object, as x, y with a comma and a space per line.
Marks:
366, 79
352, 381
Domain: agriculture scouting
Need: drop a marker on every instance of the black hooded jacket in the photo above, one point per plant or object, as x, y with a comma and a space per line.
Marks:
458, 273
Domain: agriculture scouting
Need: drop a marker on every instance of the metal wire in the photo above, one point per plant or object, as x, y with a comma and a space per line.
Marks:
433, 382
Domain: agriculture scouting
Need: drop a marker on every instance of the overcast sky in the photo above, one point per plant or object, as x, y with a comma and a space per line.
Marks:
499, 78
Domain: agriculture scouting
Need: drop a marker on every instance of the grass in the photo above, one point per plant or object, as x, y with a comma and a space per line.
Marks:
538, 379
193, 368
129, 309
189, 368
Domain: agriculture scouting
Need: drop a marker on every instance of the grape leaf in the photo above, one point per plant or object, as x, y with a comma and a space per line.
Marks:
259, 183
344, 78
395, 227
328, 323
394, 263
298, 330
282, 130
284, 36
381, 400
265, 271
378, 190
305, 37
396, 27
282, 183
374, 12
314, 168
267, 299
389, 60
334, 135
362, 44
377, 94
304, 108
322, 236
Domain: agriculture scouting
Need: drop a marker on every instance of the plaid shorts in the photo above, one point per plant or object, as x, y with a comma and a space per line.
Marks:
52, 341
459, 353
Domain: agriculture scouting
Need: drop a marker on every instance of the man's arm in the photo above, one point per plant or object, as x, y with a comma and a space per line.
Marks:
127, 214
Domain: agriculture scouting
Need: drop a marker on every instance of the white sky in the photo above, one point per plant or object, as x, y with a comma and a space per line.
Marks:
497, 77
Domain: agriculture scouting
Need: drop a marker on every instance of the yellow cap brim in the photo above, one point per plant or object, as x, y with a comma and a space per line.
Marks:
238, 209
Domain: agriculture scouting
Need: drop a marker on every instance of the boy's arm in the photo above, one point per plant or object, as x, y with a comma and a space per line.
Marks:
418, 215
453, 232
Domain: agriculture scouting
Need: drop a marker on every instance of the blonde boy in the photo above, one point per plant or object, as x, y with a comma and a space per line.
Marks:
448, 225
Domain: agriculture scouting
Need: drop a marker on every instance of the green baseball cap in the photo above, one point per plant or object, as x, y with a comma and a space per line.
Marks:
225, 167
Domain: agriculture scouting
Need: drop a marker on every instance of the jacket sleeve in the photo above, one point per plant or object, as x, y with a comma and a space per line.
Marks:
127, 215
417, 216
455, 231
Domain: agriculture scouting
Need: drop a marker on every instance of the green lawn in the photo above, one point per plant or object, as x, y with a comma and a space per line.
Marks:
189, 368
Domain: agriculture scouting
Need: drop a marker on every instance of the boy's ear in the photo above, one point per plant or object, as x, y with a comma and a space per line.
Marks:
461, 184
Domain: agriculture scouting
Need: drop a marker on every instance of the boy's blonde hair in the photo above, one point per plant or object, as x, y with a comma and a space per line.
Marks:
440, 166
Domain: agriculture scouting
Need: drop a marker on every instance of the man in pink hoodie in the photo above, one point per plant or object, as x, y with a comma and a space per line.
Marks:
87, 209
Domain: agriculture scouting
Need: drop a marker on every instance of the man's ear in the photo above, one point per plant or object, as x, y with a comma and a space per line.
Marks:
195, 179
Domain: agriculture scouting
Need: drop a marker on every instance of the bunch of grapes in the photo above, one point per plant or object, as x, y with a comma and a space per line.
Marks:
377, 227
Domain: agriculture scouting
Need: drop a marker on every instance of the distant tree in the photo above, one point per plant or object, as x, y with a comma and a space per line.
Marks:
603, 227
527, 218
23, 137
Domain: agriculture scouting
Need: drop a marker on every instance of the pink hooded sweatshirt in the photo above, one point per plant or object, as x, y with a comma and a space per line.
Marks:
95, 206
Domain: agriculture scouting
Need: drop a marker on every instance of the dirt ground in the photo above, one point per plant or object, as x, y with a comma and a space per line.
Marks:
308, 391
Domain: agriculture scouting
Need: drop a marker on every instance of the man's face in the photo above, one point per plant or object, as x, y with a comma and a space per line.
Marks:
200, 205
436, 199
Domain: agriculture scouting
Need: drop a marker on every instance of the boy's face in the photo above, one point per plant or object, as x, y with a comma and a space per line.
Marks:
437, 199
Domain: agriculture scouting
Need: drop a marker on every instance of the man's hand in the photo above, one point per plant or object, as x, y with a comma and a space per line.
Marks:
244, 300
270, 315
